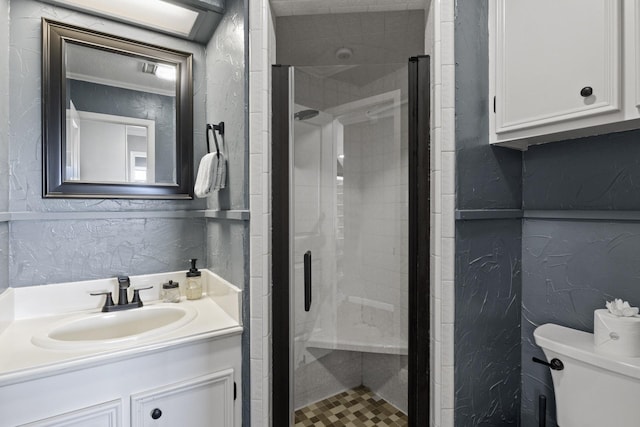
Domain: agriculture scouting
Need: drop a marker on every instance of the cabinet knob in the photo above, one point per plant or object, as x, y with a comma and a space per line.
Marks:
156, 413
586, 91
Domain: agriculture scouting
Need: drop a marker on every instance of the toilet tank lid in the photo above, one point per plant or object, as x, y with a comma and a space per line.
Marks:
579, 345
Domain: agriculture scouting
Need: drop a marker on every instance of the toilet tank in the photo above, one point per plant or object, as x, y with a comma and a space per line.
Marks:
593, 390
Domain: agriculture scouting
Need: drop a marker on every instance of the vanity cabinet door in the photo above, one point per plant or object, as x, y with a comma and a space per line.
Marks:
108, 414
205, 401
555, 63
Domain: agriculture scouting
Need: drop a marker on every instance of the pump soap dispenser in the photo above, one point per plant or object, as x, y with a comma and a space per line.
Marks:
194, 281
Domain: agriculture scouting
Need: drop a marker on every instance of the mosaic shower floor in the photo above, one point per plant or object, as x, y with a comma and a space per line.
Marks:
352, 408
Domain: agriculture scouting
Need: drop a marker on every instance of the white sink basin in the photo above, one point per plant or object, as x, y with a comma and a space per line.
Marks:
109, 329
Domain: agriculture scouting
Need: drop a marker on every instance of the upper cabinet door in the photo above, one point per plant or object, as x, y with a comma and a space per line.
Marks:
556, 61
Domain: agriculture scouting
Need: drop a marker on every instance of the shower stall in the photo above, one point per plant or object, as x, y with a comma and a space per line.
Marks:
351, 246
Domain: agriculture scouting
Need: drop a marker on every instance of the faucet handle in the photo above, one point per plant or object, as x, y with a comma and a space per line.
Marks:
108, 302
136, 295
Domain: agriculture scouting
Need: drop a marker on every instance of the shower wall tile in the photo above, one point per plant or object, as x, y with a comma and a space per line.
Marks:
262, 51
387, 374
444, 144
326, 376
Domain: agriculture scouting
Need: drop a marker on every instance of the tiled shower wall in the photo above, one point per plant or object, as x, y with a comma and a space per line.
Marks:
443, 165
262, 54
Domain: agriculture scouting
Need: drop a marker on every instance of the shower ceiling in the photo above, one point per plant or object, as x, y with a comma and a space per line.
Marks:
376, 38
316, 7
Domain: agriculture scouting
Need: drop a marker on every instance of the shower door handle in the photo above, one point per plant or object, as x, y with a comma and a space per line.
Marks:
307, 281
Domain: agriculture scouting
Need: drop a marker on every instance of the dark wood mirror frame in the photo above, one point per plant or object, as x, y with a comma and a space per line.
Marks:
54, 36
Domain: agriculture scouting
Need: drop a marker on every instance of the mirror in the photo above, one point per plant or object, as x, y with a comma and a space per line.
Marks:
117, 117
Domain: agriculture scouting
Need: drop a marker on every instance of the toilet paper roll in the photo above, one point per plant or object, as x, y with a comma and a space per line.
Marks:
614, 335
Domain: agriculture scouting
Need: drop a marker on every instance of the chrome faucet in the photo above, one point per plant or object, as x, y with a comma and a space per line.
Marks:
123, 296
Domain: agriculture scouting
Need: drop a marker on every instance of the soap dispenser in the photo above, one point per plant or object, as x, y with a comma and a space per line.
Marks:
194, 281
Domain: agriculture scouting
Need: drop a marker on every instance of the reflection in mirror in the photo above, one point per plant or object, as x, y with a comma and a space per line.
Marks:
125, 130
117, 105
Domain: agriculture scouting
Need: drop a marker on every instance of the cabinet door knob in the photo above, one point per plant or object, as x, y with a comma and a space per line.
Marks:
586, 91
156, 413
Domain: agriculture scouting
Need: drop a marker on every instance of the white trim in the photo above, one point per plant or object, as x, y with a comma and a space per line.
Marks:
119, 84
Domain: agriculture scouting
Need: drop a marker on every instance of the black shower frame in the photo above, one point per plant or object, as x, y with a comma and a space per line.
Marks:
419, 244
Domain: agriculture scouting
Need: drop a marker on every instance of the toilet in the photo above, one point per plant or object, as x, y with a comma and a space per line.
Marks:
593, 390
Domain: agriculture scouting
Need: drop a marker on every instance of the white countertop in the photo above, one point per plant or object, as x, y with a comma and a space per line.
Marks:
35, 309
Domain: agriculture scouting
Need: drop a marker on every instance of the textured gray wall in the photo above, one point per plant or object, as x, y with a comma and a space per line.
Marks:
487, 295
226, 102
25, 94
486, 177
571, 267
487, 319
228, 241
599, 173
50, 251
83, 250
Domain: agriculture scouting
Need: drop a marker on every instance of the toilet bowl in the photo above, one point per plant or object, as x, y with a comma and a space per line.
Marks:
593, 389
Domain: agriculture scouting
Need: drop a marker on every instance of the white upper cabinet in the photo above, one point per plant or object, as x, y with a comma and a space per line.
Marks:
558, 69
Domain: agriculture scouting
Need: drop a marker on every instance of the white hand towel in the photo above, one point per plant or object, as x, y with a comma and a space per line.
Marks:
221, 177
207, 173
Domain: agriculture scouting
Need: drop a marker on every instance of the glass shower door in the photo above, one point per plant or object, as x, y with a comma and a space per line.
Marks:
349, 246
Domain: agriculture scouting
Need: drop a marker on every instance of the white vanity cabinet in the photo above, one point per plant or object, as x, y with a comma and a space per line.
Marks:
561, 69
194, 385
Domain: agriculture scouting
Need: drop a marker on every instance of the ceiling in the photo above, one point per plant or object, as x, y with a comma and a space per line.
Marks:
318, 7
381, 42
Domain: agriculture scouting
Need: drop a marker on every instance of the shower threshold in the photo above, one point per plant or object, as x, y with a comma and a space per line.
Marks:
356, 407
